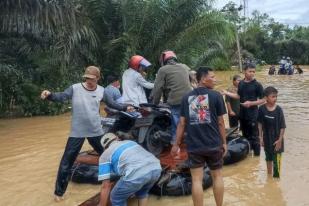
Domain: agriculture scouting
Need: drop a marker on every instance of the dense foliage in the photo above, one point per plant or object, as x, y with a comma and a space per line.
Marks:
46, 44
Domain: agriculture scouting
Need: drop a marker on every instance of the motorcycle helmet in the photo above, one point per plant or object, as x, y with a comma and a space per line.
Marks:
167, 55
136, 61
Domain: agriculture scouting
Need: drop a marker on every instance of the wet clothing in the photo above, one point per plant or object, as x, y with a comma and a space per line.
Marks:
139, 188
235, 105
86, 120
133, 84
86, 123
250, 131
250, 91
138, 170
112, 98
70, 154
201, 108
175, 79
272, 122
213, 159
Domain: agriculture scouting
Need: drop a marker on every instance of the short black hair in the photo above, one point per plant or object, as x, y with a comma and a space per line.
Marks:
202, 71
112, 78
235, 77
249, 66
270, 90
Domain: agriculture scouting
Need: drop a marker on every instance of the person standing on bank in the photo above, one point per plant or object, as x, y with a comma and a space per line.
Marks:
201, 115
233, 105
172, 77
250, 93
86, 122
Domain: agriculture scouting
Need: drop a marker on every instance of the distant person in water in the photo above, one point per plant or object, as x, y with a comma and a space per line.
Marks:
271, 124
233, 105
86, 122
299, 70
272, 70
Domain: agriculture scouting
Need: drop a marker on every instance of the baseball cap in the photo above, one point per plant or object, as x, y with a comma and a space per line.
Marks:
107, 139
92, 72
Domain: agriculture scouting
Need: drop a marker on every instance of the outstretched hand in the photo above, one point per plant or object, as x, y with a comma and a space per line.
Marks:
45, 94
223, 92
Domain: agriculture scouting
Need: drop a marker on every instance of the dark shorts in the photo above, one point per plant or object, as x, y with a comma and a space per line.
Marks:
213, 159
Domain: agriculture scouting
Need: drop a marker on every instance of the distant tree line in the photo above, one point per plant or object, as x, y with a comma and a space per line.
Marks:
46, 44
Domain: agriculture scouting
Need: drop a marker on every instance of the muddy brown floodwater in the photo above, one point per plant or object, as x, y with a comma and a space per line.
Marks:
31, 148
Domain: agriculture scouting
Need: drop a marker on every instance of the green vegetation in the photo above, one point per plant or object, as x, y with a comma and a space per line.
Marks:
46, 44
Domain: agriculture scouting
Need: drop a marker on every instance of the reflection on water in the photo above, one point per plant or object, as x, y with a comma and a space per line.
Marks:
31, 149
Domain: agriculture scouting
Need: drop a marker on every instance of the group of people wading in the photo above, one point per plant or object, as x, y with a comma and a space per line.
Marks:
197, 110
286, 67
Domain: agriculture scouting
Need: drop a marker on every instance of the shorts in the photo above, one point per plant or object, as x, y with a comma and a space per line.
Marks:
276, 159
139, 187
213, 159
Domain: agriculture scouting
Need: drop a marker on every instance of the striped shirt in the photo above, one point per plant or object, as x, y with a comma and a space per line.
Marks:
127, 159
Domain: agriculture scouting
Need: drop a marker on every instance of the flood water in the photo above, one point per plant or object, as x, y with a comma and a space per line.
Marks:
31, 148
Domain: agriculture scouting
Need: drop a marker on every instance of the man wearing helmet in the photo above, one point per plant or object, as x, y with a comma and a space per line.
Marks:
172, 77
133, 82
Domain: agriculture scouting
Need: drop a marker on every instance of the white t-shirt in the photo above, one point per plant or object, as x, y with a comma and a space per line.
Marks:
133, 84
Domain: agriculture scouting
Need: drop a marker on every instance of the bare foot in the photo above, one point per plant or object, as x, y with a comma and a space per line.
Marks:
58, 198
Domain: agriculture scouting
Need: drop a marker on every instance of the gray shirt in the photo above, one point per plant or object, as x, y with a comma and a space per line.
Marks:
173, 79
86, 121
111, 95
128, 160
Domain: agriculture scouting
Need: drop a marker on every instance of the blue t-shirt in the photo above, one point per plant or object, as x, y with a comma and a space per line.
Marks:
201, 108
128, 160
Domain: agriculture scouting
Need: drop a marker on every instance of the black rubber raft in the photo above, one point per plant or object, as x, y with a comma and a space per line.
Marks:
174, 181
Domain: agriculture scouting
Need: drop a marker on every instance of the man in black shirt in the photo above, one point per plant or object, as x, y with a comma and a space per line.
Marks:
250, 93
201, 114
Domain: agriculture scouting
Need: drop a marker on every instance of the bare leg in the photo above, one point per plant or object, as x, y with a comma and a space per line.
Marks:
269, 165
142, 202
58, 198
197, 186
218, 186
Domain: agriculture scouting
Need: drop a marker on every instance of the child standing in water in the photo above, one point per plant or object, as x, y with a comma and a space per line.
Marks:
271, 124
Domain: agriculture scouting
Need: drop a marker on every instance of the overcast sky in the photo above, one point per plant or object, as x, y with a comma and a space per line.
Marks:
289, 12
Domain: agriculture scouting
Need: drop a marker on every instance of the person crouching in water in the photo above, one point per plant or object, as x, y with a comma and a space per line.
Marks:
86, 122
133, 82
201, 115
137, 168
272, 126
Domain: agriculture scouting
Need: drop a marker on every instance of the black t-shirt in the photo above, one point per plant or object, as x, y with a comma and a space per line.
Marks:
272, 122
249, 91
201, 108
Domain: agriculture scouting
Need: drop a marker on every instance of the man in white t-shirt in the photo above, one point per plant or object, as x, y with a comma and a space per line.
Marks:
133, 82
